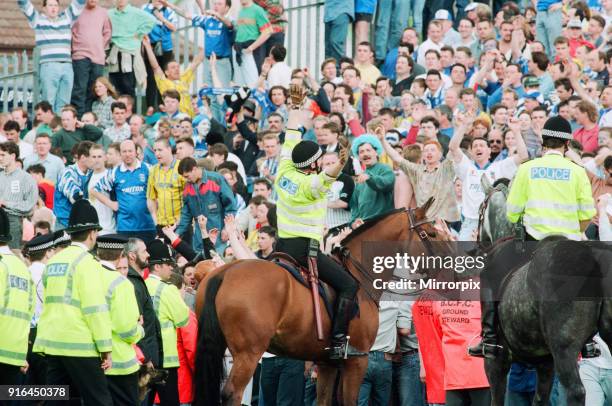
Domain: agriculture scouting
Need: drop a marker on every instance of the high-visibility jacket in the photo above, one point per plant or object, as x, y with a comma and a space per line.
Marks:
16, 309
301, 207
553, 195
75, 320
172, 313
124, 314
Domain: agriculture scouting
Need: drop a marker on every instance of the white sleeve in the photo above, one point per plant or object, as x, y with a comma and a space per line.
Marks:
506, 168
462, 168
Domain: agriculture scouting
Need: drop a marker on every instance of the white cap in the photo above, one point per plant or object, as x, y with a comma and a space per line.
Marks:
443, 15
574, 23
470, 7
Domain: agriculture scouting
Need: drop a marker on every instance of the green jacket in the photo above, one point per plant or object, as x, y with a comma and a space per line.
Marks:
374, 196
67, 139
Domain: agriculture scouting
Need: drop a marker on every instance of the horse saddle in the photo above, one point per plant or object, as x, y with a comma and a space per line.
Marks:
301, 274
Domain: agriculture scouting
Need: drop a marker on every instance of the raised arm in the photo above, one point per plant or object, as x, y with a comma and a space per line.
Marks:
157, 70
462, 123
521, 148
183, 13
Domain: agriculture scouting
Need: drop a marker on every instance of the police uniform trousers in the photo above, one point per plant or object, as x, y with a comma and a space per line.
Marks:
37, 364
124, 389
83, 374
9, 375
329, 270
168, 393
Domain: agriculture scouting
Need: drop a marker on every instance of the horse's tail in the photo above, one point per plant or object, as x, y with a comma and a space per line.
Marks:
210, 367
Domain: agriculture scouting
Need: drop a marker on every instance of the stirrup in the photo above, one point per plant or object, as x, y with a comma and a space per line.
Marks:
485, 350
343, 350
590, 350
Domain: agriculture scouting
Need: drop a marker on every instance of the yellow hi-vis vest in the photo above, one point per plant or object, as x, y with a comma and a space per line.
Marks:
301, 207
172, 313
124, 314
16, 309
75, 321
553, 195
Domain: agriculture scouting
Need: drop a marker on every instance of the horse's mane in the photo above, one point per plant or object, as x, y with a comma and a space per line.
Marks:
501, 181
369, 223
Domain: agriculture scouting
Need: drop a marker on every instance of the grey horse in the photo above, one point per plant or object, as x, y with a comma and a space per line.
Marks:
536, 326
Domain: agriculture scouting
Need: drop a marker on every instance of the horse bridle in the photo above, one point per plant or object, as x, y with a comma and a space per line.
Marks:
415, 225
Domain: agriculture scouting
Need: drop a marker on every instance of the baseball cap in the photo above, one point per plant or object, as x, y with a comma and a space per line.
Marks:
574, 23
470, 7
531, 81
392, 138
443, 15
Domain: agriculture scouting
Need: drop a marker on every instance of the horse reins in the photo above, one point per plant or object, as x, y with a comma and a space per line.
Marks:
413, 224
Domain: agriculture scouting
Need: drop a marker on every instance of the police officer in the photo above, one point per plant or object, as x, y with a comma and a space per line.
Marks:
61, 240
301, 213
123, 375
16, 309
74, 330
552, 196
38, 251
172, 313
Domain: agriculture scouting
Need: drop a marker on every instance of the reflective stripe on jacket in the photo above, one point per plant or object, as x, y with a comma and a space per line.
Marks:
75, 320
16, 309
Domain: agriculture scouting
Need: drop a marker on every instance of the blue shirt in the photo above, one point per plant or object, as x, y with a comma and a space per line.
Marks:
149, 156
217, 36
72, 184
543, 5
160, 32
130, 187
335, 8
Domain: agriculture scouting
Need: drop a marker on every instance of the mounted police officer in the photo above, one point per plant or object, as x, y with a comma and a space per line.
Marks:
122, 377
74, 330
301, 213
16, 308
550, 196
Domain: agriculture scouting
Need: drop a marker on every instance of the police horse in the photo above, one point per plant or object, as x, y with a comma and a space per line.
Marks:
253, 306
536, 326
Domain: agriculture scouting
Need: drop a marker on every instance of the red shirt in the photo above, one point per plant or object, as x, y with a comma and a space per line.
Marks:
574, 44
49, 189
588, 138
459, 325
430, 347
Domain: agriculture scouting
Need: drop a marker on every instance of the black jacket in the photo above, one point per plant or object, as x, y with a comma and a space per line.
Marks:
150, 344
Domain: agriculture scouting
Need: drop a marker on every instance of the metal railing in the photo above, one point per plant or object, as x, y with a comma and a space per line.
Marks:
304, 39
19, 81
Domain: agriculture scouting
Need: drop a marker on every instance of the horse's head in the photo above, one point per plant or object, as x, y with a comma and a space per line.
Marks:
493, 223
203, 268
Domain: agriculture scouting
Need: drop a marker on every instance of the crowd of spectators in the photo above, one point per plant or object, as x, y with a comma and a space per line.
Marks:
445, 93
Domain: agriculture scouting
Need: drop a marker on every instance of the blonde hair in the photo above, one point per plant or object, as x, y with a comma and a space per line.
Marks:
112, 92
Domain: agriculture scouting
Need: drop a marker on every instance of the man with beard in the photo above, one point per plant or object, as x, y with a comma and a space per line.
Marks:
150, 344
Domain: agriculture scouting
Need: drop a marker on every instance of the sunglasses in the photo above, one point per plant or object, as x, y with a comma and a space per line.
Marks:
495, 142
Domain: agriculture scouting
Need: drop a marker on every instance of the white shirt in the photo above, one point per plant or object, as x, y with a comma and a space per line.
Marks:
25, 150
105, 213
36, 270
470, 175
426, 46
279, 75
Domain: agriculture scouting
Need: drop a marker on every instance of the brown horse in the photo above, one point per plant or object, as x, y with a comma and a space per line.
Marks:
253, 306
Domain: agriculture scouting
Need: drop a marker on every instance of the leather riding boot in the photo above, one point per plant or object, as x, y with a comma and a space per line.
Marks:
488, 347
340, 347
